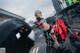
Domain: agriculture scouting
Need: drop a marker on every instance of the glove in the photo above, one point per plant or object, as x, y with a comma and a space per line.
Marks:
61, 50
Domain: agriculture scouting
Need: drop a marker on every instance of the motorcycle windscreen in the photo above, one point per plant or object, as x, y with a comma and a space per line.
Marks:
6, 27
73, 17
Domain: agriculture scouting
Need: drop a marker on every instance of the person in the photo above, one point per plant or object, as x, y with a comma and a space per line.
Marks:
49, 41
58, 31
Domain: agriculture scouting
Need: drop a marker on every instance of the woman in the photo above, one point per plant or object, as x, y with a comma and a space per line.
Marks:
53, 30
58, 31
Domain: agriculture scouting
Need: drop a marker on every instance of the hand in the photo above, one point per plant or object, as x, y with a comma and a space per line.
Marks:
31, 22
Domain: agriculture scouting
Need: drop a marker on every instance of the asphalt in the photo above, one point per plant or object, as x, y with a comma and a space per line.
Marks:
40, 45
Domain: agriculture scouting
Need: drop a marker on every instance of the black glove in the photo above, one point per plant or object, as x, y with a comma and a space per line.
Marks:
61, 50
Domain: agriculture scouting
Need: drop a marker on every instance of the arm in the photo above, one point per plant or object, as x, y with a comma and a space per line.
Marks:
54, 38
